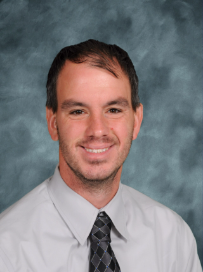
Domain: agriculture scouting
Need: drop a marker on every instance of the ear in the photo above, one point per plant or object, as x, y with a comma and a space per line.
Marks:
138, 115
51, 124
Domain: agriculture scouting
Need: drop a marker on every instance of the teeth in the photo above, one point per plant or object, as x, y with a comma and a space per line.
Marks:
96, 150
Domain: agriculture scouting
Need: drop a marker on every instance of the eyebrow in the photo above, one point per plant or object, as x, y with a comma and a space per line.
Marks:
72, 103
120, 101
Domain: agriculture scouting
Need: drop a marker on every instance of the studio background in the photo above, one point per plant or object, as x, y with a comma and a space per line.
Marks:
164, 41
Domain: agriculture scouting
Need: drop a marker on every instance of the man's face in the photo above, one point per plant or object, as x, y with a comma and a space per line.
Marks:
95, 121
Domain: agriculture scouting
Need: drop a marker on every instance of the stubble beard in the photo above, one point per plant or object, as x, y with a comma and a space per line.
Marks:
97, 183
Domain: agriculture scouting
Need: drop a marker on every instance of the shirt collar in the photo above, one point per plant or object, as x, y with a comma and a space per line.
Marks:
74, 209
116, 211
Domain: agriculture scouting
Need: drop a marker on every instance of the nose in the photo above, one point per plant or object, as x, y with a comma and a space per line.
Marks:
97, 126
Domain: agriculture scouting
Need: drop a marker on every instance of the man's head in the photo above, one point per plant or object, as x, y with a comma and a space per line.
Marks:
95, 117
96, 54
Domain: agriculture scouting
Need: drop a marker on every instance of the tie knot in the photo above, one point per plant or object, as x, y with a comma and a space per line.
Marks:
101, 229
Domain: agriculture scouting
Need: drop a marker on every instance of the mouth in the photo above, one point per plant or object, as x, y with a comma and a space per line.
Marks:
96, 150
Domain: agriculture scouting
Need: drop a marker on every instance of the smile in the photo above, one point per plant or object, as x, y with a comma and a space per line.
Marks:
96, 150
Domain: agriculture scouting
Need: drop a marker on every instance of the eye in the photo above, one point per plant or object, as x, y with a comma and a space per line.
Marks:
114, 110
77, 112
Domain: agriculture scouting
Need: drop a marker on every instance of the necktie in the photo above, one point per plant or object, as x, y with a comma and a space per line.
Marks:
102, 258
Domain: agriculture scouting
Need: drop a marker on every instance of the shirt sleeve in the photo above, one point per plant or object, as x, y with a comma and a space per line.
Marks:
193, 264
5, 265
188, 256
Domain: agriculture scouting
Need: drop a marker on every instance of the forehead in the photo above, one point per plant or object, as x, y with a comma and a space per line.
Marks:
83, 80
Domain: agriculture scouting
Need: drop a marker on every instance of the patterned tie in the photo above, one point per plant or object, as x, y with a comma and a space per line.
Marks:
102, 258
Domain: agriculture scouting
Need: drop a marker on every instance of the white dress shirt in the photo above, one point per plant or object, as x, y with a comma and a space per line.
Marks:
47, 231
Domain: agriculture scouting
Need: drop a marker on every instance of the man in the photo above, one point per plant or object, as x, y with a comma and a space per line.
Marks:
83, 218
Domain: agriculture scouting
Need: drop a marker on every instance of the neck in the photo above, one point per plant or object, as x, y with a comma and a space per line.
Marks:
98, 196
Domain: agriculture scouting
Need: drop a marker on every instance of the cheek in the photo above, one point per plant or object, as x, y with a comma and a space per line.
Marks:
71, 131
122, 130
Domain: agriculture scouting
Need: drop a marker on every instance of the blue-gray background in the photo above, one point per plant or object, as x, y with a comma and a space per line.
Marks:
164, 40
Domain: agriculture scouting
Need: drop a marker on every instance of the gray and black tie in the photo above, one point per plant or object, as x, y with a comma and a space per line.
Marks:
102, 258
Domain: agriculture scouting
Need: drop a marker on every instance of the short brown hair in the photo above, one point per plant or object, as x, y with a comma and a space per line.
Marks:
97, 54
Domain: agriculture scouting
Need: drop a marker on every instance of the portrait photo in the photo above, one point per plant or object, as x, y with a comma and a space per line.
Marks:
101, 159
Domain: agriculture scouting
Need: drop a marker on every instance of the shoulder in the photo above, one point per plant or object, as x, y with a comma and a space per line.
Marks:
139, 200
133, 199
161, 230
25, 209
148, 213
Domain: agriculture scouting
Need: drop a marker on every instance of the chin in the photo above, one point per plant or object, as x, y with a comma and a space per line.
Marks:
94, 172
101, 176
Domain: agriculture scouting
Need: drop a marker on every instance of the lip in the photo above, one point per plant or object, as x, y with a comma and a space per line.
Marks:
95, 155
97, 147
100, 150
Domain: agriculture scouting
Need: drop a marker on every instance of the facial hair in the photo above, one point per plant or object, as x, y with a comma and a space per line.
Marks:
99, 182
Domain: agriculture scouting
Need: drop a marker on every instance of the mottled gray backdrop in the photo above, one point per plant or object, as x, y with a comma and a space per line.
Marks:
164, 40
